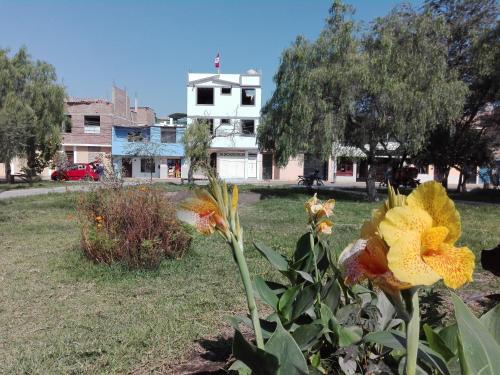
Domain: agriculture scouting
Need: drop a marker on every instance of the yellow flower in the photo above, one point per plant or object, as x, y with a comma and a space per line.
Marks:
313, 206
203, 212
421, 236
325, 227
99, 226
317, 209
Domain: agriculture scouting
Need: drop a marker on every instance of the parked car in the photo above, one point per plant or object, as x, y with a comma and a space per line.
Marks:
75, 172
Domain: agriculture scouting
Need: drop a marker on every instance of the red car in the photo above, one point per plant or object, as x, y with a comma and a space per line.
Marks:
79, 171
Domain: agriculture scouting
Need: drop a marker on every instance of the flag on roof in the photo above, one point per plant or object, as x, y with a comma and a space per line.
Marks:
217, 61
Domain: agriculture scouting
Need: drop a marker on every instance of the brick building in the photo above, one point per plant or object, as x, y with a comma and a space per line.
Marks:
87, 130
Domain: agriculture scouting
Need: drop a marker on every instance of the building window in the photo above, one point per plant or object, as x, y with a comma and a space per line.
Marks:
225, 121
168, 135
344, 167
247, 96
205, 95
225, 91
147, 165
67, 124
248, 127
92, 124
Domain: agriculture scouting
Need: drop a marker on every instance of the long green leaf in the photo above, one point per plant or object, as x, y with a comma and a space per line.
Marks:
259, 361
491, 320
481, 353
283, 346
396, 340
277, 260
265, 293
436, 343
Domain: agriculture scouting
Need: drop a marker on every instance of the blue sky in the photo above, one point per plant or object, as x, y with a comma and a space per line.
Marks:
150, 46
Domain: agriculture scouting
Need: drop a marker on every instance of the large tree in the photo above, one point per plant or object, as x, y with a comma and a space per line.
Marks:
34, 86
390, 84
473, 52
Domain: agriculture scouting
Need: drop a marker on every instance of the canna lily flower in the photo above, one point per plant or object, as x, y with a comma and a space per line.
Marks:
324, 226
367, 259
313, 206
421, 238
203, 212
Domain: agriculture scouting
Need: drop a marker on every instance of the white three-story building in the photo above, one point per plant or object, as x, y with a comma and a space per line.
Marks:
230, 103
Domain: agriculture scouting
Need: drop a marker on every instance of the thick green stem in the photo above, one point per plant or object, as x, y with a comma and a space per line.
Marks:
412, 335
247, 284
317, 277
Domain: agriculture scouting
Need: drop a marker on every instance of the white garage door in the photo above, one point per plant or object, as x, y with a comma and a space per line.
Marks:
231, 165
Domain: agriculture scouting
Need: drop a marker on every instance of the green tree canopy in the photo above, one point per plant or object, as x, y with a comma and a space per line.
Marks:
196, 140
388, 84
473, 52
32, 107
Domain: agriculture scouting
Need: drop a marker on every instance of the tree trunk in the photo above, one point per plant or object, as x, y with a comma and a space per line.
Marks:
190, 173
8, 172
459, 185
371, 188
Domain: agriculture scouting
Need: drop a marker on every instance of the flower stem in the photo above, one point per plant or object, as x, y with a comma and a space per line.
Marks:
247, 284
412, 334
317, 277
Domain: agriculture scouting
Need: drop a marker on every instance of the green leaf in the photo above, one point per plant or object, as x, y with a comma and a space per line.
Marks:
330, 294
277, 260
449, 335
481, 353
306, 276
265, 293
436, 343
286, 300
283, 346
304, 300
307, 335
258, 360
240, 368
302, 248
396, 340
491, 320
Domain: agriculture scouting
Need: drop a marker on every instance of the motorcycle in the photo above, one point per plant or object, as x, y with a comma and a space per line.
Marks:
310, 180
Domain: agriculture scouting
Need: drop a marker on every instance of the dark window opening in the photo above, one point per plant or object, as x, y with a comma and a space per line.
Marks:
247, 96
345, 167
168, 135
205, 95
92, 124
225, 90
248, 127
148, 165
225, 121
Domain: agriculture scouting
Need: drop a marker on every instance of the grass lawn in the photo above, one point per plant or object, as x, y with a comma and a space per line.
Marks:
62, 314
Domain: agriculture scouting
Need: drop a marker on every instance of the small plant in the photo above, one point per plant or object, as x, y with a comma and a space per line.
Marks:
136, 226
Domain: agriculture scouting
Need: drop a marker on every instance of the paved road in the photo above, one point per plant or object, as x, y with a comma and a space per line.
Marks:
16, 193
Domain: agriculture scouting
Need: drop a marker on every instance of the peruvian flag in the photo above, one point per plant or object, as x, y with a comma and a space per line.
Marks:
217, 61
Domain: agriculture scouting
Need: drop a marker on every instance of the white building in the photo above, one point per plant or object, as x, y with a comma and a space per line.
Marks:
231, 104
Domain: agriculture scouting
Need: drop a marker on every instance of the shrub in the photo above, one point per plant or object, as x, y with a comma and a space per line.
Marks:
137, 226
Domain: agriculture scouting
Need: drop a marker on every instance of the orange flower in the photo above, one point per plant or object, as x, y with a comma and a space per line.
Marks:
325, 227
99, 218
203, 212
367, 259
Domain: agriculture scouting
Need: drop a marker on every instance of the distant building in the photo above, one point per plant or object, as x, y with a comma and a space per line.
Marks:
231, 104
148, 151
87, 130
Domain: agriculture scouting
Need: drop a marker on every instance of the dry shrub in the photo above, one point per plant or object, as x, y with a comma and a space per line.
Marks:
136, 225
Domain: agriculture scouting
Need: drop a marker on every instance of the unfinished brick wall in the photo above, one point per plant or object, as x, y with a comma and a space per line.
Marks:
145, 116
